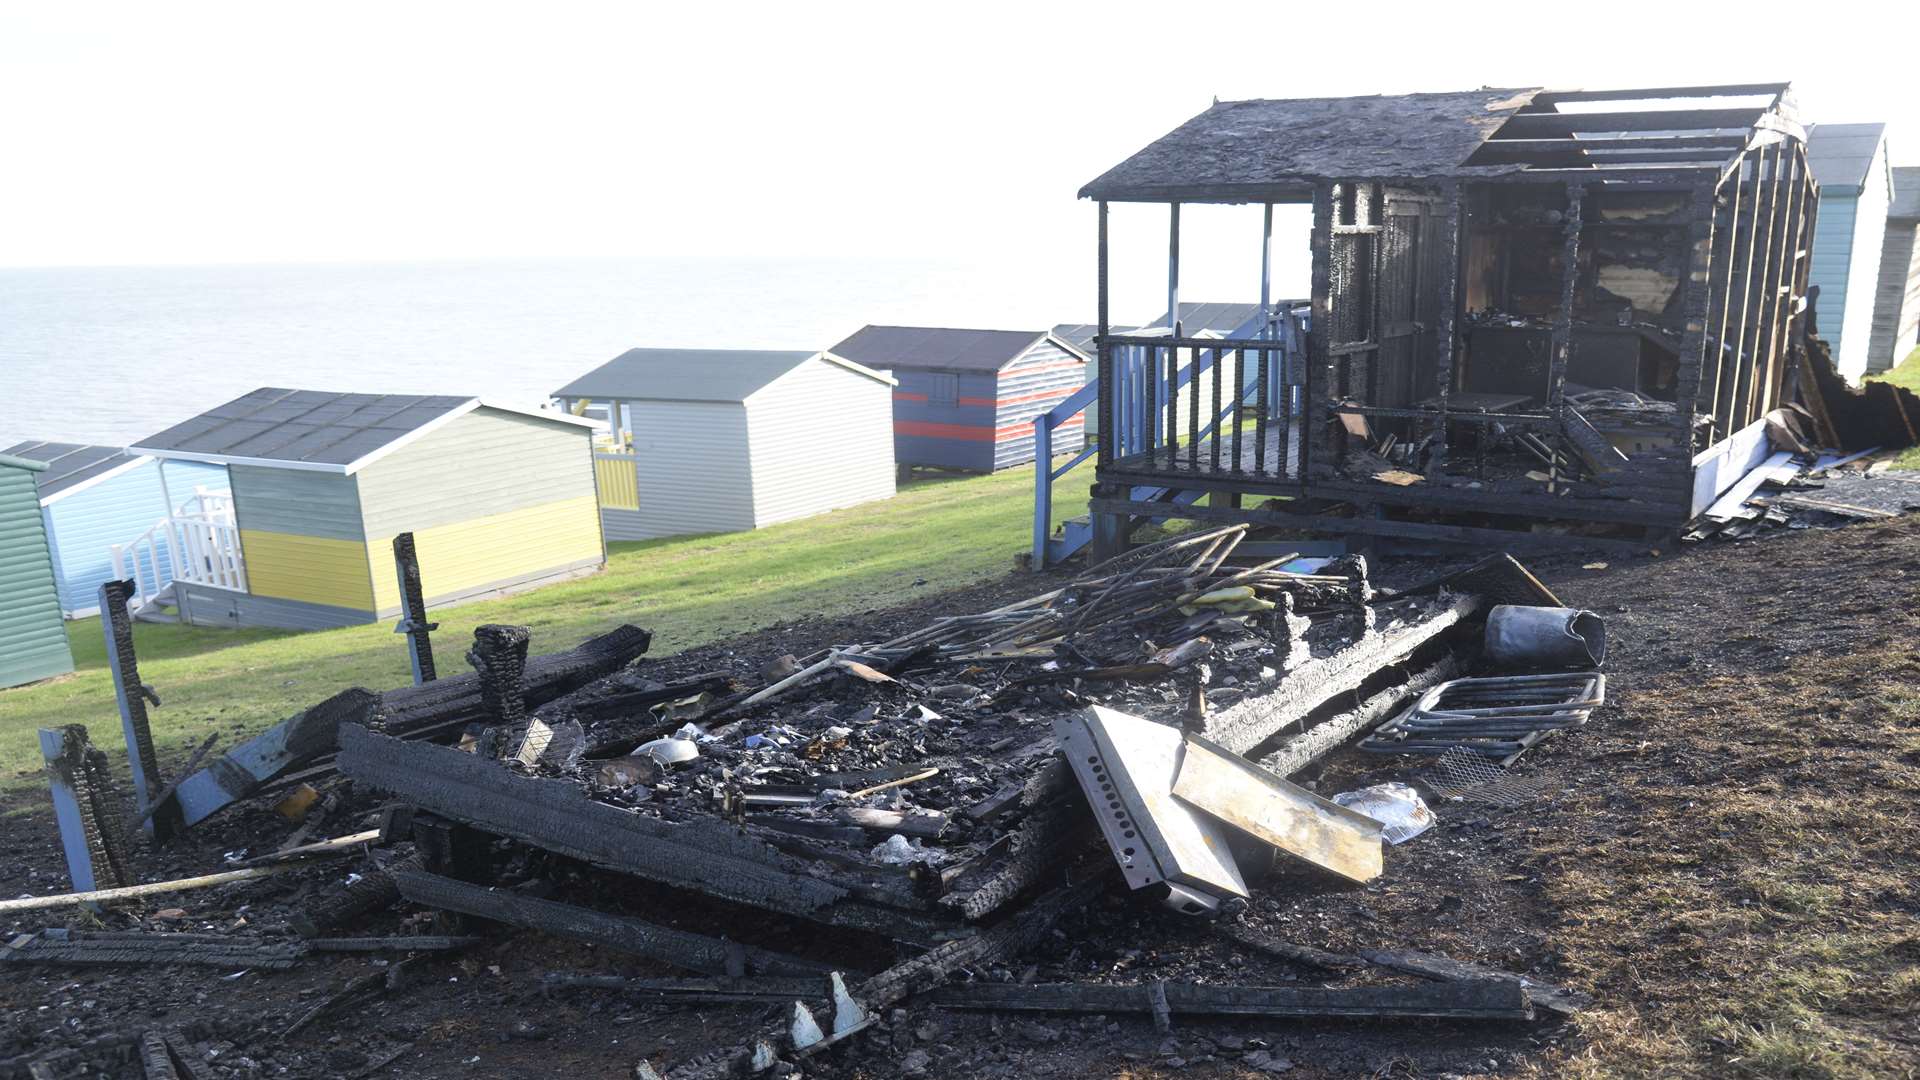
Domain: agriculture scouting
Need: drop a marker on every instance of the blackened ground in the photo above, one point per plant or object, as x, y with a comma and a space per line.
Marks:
1723, 858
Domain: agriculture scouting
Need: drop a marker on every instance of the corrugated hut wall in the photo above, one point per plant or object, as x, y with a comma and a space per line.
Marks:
33, 636
1033, 383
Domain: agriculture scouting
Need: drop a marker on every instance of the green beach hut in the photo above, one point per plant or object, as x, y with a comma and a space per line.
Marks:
33, 636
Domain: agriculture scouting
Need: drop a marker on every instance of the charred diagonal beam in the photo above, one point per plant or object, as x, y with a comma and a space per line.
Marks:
681, 948
1334, 732
705, 855
431, 710
1017, 933
1246, 725
1482, 999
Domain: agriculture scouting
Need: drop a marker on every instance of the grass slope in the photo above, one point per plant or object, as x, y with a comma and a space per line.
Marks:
935, 535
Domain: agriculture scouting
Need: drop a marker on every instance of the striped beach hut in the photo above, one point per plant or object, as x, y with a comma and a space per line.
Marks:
33, 637
967, 398
96, 499
498, 498
726, 440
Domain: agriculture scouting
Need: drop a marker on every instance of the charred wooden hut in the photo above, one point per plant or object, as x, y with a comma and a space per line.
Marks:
1526, 304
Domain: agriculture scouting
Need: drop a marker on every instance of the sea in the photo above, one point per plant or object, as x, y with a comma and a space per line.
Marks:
110, 355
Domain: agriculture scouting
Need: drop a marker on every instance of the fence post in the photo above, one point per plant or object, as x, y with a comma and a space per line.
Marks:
1042, 489
133, 696
413, 610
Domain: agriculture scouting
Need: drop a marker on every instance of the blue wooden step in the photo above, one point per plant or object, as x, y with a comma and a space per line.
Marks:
1078, 533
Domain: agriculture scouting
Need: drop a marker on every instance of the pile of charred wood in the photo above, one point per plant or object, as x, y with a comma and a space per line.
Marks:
940, 795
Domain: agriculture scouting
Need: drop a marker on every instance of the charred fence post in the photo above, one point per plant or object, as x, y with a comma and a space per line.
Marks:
83, 807
413, 610
133, 695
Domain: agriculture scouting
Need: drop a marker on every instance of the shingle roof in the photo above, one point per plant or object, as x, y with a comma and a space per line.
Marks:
936, 348
69, 464
1841, 155
1906, 193
685, 374
1273, 145
315, 429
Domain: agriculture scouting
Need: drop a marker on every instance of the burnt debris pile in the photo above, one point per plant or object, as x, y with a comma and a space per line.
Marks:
826, 835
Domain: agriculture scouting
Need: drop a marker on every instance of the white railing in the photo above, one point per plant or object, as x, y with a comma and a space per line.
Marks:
199, 542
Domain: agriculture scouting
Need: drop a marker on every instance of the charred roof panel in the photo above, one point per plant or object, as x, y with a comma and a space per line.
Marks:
1263, 149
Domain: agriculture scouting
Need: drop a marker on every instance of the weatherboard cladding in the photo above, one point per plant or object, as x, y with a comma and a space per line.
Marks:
33, 636
1031, 385
818, 440
299, 502
486, 462
203, 605
693, 472
1896, 302
84, 524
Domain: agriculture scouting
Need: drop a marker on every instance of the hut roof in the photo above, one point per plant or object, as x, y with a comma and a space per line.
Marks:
724, 375
940, 348
1842, 155
1278, 150
71, 466
317, 430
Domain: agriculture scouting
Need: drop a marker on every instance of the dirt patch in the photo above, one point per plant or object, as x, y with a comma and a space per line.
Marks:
1723, 858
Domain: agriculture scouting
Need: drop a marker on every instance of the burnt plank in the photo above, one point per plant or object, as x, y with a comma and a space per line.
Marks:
681, 948
1479, 999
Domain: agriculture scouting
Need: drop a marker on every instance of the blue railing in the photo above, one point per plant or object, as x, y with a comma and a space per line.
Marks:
1143, 384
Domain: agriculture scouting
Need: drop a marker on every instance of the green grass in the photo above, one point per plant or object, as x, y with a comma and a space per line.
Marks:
1906, 373
935, 535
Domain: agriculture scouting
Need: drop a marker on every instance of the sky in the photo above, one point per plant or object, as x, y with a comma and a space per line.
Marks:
197, 132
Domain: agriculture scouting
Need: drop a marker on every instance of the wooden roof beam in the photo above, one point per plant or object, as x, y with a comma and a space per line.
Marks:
1770, 89
1561, 125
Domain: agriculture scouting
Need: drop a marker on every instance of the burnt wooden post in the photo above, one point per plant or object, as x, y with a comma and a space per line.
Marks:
84, 809
499, 654
1796, 321
1569, 281
1772, 394
1449, 302
1754, 311
1759, 371
1730, 402
117, 625
413, 610
1732, 267
1695, 295
1319, 371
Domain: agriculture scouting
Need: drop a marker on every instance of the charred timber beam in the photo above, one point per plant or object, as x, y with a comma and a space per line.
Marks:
999, 944
721, 991
413, 610
1244, 726
1445, 348
1696, 293
1482, 999
1318, 446
59, 946
84, 809
681, 948
1561, 125
374, 891
133, 695
1516, 149
706, 855
1656, 93
427, 710
1569, 282
1336, 731
1756, 329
